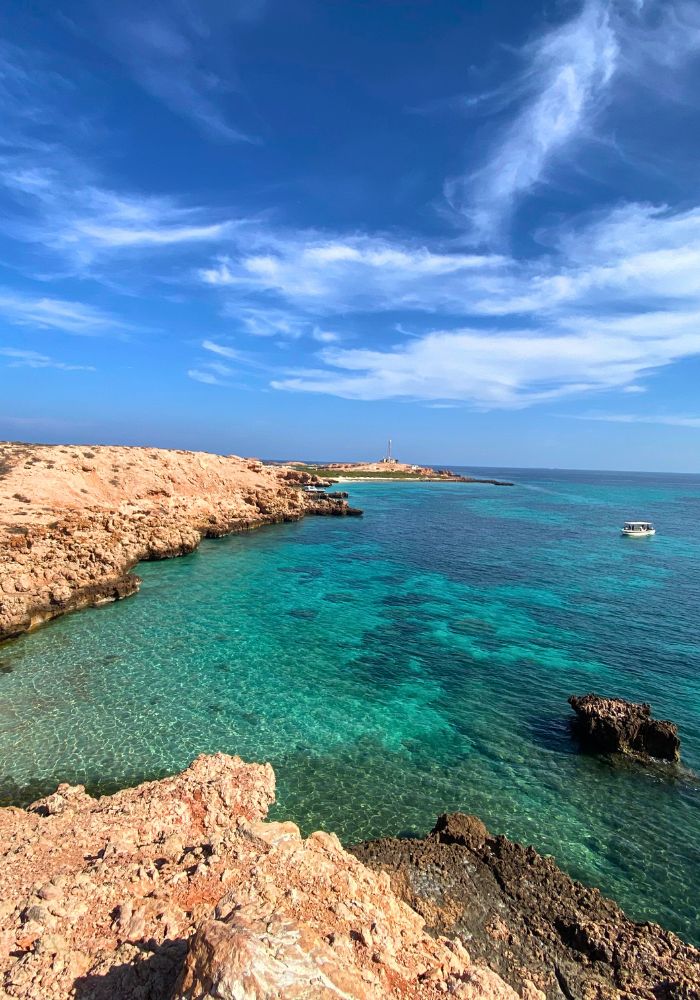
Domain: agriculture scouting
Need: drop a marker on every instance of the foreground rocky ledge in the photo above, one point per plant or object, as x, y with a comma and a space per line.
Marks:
518, 912
178, 888
75, 520
613, 725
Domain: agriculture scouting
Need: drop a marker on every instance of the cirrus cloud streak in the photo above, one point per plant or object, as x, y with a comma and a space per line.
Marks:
492, 370
616, 298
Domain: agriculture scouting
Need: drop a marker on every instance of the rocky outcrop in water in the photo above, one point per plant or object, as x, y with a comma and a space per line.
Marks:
522, 916
613, 725
178, 888
75, 520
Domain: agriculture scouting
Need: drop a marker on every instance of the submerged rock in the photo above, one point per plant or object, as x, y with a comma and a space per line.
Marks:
613, 725
528, 921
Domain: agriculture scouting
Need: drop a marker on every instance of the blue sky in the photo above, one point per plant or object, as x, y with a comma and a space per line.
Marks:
293, 228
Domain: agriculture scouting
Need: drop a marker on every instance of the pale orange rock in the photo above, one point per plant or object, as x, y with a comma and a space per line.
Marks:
179, 888
480, 983
258, 954
74, 520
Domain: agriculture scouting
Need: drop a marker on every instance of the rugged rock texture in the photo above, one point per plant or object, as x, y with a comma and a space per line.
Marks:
103, 899
75, 520
613, 725
522, 916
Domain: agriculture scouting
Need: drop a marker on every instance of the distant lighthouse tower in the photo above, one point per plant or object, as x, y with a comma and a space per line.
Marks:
388, 458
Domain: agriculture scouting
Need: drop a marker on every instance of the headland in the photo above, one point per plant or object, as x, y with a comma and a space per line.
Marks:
388, 470
75, 520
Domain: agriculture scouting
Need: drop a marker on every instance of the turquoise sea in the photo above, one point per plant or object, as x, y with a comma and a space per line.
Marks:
413, 661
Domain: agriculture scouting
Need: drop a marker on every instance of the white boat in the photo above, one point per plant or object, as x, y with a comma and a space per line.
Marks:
313, 489
638, 529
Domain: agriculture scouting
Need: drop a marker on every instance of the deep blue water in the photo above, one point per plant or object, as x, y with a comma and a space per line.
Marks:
393, 667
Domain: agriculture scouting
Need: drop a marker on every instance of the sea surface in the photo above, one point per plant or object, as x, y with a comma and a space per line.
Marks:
393, 667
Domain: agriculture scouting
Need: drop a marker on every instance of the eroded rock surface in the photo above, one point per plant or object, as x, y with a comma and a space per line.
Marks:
178, 888
613, 725
75, 520
521, 915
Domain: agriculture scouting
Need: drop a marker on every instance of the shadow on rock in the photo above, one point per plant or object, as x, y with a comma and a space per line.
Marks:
149, 972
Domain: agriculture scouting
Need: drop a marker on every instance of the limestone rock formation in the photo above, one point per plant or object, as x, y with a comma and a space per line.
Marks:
178, 888
613, 725
528, 921
75, 520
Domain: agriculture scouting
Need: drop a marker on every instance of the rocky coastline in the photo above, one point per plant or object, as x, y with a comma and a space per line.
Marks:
180, 889
74, 521
526, 919
386, 477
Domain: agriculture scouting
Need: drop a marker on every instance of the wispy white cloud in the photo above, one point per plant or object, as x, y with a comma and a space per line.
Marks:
264, 321
33, 359
261, 319
573, 75
330, 274
670, 419
567, 71
246, 361
325, 336
205, 376
618, 298
631, 257
56, 201
216, 373
492, 369
219, 368
181, 55
56, 314
63, 209
30, 98
665, 36
221, 349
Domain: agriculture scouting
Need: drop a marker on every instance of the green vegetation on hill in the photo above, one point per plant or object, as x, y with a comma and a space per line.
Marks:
326, 473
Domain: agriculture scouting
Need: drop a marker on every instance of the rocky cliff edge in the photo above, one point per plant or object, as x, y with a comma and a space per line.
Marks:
180, 889
75, 520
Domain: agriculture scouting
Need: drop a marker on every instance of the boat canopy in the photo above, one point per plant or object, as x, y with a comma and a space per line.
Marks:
639, 525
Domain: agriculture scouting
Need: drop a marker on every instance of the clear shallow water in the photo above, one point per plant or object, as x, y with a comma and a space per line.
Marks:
394, 667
